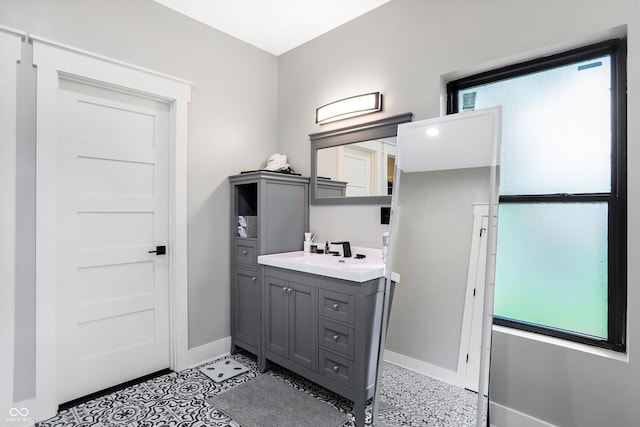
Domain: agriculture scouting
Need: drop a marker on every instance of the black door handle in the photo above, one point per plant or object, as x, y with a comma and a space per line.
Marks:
160, 250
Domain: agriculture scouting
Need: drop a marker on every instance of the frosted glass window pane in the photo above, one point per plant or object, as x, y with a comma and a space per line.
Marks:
551, 265
556, 128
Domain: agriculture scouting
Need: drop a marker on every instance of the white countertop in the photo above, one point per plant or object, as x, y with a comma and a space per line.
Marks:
355, 270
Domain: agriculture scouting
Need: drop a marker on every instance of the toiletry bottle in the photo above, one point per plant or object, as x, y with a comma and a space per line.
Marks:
385, 245
326, 247
308, 241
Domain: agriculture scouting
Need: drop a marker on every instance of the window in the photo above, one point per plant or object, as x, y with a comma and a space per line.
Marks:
561, 255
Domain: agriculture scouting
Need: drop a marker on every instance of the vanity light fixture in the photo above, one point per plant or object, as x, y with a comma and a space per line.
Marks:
349, 107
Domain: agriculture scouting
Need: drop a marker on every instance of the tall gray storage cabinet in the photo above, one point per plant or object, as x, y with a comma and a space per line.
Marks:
269, 214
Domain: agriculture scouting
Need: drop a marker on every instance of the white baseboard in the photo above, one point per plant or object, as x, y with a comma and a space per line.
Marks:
422, 367
502, 416
207, 352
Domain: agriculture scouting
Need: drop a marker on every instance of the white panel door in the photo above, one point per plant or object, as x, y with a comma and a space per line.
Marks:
112, 293
356, 170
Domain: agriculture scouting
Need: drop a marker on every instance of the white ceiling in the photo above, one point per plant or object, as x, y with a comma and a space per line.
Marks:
273, 25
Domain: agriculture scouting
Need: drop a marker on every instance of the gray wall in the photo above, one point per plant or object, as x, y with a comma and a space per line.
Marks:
405, 49
433, 245
232, 118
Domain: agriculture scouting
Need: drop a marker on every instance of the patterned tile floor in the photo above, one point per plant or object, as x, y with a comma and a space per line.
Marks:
178, 400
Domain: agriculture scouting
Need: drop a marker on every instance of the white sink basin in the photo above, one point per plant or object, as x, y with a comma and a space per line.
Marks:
353, 269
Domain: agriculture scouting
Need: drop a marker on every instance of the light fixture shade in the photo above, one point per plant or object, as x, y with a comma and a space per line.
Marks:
349, 107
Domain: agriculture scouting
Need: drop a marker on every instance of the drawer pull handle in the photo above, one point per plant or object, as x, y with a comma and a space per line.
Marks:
336, 337
335, 306
245, 252
336, 368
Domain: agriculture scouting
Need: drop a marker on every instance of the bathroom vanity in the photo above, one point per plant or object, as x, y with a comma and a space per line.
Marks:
269, 214
316, 315
321, 318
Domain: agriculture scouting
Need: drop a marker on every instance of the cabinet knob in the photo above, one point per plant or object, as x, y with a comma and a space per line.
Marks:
336, 368
336, 337
284, 289
289, 290
335, 306
245, 252
254, 278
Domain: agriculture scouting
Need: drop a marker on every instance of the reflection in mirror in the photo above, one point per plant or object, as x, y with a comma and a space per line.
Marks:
355, 165
443, 231
359, 169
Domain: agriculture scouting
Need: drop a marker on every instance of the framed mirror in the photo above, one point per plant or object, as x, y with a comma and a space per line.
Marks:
355, 164
442, 243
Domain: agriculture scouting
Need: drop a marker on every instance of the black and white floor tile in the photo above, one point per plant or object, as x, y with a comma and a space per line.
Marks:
413, 399
179, 399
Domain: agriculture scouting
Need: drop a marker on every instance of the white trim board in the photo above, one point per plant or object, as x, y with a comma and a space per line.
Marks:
52, 61
423, 367
502, 416
209, 351
62, 46
10, 54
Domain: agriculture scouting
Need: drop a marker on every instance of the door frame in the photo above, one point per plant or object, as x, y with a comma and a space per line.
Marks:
53, 61
11, 42
480, 211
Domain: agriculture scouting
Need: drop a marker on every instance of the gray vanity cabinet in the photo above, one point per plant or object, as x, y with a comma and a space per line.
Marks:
246, 308
290, 326
269, 214
325, 329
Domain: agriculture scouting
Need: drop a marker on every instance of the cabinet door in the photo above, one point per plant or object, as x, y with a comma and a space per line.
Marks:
303, 325
284, 216
246, 303
277, 316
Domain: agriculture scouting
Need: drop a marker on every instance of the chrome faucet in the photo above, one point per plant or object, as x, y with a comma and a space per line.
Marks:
346, 248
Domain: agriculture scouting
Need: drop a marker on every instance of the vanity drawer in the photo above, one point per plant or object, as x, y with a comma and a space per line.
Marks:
245, 252
337, 306
336, 368
338, 338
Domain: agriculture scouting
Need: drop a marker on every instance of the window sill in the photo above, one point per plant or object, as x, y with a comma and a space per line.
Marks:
584, 348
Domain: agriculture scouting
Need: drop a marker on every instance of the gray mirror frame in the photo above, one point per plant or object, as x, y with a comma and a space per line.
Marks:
382, 128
